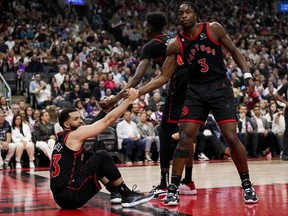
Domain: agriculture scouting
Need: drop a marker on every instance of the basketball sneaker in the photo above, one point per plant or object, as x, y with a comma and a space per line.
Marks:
133, 198
159, 192
172, 197
187, 188
249, 193
115, 197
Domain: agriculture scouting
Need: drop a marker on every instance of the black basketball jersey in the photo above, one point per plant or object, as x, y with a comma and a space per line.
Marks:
202, 55
155, 49
64, 163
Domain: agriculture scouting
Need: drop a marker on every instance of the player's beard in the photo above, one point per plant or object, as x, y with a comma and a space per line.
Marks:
73, 127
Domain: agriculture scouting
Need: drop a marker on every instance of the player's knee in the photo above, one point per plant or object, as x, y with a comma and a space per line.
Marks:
232, 139
178, 153
103, 153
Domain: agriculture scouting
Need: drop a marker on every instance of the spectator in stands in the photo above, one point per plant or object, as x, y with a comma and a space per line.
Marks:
92, 107
43, 96
118, 49
109, 83
129, 139
142, 103
4, 106
14, 111
75, 94
99, 92
245, 129
156, 116
5, 141
44, 134
29, 114
22, 105
79, 106
34, 65
56, 94
66, 86
154, 101
3, 47
22, 138
86, 93
21, 68
264, 138
148, 133
60, 75
135, 114
33, 85
53, 112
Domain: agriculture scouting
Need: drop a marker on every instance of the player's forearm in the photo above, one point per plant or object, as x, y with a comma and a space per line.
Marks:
240, 61
153, 84
117, 112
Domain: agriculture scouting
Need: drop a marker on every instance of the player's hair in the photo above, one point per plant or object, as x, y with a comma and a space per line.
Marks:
192, 5
64, 116
156, 19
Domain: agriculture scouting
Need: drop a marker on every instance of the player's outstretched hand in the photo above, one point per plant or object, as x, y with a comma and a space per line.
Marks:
107, 103
132, 94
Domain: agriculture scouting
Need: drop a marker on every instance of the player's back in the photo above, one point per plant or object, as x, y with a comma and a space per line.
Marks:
155, 49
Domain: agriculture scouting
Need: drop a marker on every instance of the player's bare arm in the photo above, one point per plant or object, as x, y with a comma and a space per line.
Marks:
133, 82
76, 138
219, 34
168, 69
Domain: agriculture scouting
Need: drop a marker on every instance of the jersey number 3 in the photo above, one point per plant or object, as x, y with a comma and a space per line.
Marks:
204, 66
55, 165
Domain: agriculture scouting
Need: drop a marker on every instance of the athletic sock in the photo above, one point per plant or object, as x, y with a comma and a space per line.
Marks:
110, 187
188, 175
176, 180
244, 176
164, 181
123, 189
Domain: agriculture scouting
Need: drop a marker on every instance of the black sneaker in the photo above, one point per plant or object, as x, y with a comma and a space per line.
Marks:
249, 193
159, 192
134, 198
172, 197
115, 197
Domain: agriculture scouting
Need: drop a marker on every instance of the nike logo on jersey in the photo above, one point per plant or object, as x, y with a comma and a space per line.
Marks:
203, 36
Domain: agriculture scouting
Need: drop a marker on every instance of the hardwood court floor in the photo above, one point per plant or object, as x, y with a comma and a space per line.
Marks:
26, 192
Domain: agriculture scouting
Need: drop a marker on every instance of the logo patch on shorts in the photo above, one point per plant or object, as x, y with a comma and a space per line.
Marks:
185, 111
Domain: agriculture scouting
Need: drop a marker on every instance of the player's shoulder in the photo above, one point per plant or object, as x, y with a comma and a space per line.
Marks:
215, 26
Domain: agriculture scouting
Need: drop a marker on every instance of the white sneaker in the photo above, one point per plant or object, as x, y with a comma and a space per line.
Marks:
18, 165
202, 157
31, 164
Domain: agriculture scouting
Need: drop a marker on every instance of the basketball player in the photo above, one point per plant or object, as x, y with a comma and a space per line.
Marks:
73, 181
209, 89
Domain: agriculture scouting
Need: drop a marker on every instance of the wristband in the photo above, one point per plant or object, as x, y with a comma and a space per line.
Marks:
247, 75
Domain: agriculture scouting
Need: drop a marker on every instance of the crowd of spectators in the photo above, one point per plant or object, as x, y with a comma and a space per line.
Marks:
59, 61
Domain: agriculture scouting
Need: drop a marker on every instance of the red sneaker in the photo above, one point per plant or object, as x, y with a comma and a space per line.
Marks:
188, 189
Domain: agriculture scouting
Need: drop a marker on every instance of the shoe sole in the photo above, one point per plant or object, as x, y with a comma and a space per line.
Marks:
116, 201
251, 201
191, 192
175, 203
129, 205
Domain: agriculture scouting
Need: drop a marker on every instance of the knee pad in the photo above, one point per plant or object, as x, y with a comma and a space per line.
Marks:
103, 153
181, 153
